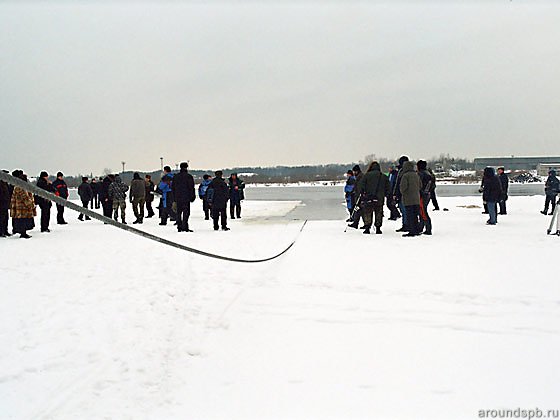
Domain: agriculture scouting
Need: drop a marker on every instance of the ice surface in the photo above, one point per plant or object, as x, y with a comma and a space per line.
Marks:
97, 323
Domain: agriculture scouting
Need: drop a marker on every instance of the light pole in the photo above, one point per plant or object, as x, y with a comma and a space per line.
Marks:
123, 163
161, 161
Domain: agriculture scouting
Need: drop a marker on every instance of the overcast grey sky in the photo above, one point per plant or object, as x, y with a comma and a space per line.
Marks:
86, 85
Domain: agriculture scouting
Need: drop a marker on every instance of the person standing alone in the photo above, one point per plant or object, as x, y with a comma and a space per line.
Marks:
551, 188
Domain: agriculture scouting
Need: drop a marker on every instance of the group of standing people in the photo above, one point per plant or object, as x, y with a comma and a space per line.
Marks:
178, 192
406, 190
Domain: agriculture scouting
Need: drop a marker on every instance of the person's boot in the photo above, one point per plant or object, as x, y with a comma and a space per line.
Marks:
428, 232
402, 229
544, 212
88, 218
123, 222
353, 225
558, 233
378, 231
81, 218
226, 228
136, 222
409, 235
24, 236
366, 231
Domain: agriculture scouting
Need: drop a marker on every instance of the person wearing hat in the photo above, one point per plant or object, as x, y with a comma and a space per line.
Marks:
60, 190
551, 188
4, 207
218, 196
358, 174
117, 193
236, 195
138, 197
504, 180
392, 174
426, 183
397, 195
86, 195
22, 209
202, 188
183, 194
350, 193
44, 204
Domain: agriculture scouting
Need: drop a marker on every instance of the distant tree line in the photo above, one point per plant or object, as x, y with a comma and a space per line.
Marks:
292, 174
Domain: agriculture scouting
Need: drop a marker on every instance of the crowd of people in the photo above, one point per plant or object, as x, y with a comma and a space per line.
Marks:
406, 189
176, 192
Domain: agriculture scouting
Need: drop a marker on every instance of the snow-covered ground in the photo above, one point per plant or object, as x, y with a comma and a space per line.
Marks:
96, 323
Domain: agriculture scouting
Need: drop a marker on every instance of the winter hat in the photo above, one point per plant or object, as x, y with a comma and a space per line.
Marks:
184, 165
59, 174
489, 172
349, 172
84, 179
218, 174
167, 169
43, 174
136, 175
357, 168
403, 159
552, 172
422, 165
206, 176
502, 168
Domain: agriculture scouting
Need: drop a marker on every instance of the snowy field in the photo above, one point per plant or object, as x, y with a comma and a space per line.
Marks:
96, 323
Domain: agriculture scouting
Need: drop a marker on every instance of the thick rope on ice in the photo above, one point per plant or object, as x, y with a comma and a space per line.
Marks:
72, 206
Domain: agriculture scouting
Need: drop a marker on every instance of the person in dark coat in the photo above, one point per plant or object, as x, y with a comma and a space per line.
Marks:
409, 187
86, 195
184, 194
504, 181
397, 197
491, 193
551, 189
426, 182
5, 197
106, 201
236, 195
44, 204
433, 196
202, 188
149, 196
358, 174
373, 187
60, 190
393, 173
95, 189
218, 196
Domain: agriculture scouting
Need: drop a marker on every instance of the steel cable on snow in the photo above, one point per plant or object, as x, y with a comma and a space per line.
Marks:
27, 186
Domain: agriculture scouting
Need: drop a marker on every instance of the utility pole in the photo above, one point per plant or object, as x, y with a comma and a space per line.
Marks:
123, 163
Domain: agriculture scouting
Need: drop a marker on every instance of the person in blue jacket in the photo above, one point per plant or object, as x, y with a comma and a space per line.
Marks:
166, 201
349, 193
202, 188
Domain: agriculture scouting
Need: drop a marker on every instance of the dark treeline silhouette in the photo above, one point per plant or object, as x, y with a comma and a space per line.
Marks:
289, 174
